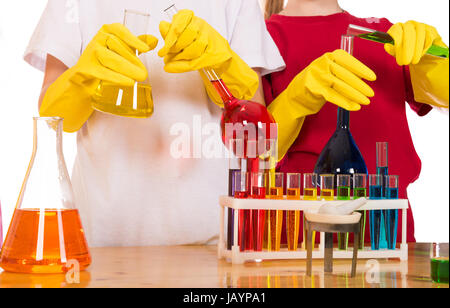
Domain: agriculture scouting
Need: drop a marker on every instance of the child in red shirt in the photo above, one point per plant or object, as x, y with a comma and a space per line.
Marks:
302, 40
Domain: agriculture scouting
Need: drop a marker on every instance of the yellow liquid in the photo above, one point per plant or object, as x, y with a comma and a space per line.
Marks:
310, 194
119, 101
327, 194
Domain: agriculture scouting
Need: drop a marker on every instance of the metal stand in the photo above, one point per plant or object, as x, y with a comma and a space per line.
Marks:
329, 229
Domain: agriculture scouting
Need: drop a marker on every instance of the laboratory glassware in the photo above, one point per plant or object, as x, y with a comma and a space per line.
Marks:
341, 154
234, 166
360, 191
343, 193
135, 101
241, 119
275, 224
258, 191
45, 234
383, 169
439, 263
241, 191
391, 216
293, 185
385, 38
310, 186
327, 187
376, 193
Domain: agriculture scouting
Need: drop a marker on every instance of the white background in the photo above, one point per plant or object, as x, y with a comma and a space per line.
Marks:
20, 87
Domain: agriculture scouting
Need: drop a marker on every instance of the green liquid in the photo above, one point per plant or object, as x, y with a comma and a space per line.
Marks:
360, 193
384, 38
439, 270
343, 193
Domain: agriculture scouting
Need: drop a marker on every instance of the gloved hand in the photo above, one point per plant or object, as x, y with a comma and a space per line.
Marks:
334, 77
191, 44
429, 75
111, 57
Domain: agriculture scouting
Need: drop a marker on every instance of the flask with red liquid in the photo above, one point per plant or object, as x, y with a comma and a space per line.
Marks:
45, 234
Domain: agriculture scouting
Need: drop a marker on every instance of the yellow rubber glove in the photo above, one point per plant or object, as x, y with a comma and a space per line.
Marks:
335, 77
191, 44
110, 56
429, 74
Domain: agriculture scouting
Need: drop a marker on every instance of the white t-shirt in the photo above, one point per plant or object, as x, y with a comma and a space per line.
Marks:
129, 189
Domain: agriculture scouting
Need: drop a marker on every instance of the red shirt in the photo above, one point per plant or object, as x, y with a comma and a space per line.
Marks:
301, 40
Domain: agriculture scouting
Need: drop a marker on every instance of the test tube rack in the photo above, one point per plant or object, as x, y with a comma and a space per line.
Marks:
236, 256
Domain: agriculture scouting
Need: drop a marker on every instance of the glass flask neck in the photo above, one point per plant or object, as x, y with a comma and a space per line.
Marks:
225, 94
343, 119
47, 183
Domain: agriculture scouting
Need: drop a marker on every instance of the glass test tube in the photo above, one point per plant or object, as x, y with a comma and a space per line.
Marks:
391, 216
310, 186
327, 187
360, 191
241, 180
234, 166
382, 169
275, 225
309, 194
376, 193
293, 184
258, 191
343, 193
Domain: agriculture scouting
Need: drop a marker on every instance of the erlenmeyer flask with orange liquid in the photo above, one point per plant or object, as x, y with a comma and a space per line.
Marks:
136, 101
45, 234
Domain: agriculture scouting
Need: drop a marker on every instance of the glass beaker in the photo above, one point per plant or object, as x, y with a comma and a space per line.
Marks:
45, 234
136, 101
439, 263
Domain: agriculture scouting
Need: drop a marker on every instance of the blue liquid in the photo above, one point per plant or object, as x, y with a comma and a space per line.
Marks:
375, 217
391, 219
383, 240
341, 155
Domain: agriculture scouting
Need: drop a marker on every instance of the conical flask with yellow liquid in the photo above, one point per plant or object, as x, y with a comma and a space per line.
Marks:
133, 102
45, 234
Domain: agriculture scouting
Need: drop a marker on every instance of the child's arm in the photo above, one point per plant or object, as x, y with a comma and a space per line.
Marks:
334, 77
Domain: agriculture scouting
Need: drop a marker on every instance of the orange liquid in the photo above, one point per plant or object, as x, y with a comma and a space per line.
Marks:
293, 193
276, 193
36, 244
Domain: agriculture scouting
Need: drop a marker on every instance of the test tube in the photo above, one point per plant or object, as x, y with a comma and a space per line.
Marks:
327, 187
293, 185
343, 186
343, 193
258, 191
391, 216
236, 155
376, 193
383, 169
360, 191
310, 186
241, 181
275, 224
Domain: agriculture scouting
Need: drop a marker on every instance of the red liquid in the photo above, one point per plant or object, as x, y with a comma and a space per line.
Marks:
259, 219
249, 121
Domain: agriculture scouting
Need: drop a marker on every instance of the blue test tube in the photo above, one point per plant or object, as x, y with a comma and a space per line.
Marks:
391, 216
376, 193
383, 170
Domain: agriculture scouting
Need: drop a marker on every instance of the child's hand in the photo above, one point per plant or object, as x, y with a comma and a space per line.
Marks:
412, 41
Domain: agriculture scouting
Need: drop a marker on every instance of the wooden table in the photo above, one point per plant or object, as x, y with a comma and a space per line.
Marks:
198, 267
